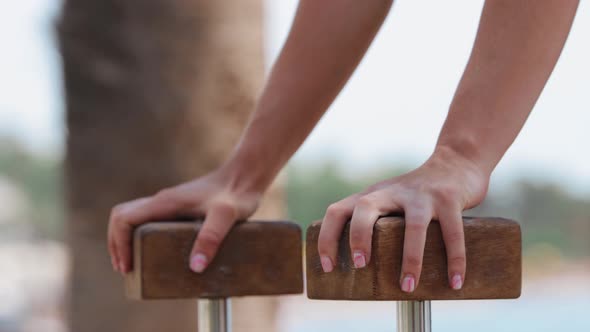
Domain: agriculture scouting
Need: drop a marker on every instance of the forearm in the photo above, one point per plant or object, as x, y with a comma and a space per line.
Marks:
515, 51
326, 42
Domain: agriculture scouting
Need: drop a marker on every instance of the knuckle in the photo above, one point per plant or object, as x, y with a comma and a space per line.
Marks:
174, 198
117, 209
225, 208
209, 240
122, 238
457, 261
327, 238
456, 236
444, 193
365, 202
326, 244
418, 214
167, 194
412, 262
415, 227
118, 214
417, 211
359, 239
334, 211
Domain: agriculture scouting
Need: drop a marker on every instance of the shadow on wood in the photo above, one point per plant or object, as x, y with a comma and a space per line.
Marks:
256, 258
493, 264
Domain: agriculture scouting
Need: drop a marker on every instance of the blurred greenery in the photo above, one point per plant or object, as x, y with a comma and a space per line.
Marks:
40, 180
311, 189
548, 214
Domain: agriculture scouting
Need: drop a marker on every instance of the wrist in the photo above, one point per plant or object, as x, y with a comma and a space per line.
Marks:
464, 156
245, 171
472, 179
464, 138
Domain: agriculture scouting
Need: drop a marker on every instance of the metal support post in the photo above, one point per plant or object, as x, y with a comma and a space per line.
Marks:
413, 316
214, 315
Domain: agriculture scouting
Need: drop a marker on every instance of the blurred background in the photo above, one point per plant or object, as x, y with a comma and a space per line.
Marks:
104, 101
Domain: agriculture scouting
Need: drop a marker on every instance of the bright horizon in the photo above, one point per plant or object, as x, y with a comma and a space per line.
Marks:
422, 47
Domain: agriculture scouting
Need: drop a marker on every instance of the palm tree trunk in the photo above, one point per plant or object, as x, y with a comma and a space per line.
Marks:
157, 92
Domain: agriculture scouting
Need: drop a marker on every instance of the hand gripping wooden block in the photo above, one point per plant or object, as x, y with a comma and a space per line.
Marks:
256, 258
493, 264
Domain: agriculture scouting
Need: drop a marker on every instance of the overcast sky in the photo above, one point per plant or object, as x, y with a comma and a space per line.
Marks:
390, 111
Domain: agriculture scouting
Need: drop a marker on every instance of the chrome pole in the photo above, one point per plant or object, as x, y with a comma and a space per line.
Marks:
413, 316
214, 315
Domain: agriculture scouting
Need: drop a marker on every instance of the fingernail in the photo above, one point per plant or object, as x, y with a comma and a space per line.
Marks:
198, 263
327, 265
408, 284
456, 282
122, 268
359, 259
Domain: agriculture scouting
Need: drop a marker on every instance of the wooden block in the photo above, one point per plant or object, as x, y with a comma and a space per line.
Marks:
493, 264
256, 258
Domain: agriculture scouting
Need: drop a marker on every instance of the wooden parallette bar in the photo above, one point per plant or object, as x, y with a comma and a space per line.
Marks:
256, 258
493, 264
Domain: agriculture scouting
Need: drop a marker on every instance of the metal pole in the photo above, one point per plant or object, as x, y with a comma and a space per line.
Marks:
413, 316
214, 315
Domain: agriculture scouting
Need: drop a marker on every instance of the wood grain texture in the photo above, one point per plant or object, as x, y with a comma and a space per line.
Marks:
256, 258
493, 264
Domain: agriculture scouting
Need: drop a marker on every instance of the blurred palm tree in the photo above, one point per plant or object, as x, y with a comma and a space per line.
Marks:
157, 92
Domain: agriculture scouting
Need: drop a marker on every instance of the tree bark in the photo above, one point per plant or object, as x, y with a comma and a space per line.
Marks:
157, 92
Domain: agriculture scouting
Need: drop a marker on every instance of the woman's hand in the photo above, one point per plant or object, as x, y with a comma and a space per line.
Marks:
308, 74
216, 196
441, 189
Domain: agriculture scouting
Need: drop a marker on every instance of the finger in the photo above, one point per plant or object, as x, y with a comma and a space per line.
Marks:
417, 218
219, 220
111, 244
335, 218
366, 212
135, 213
451, 222
112, 252
121, 245
116, 218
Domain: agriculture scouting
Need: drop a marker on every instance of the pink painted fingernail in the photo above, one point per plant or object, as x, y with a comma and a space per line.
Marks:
359, 260
327, 265
408, 284
198, 263
456, 282
122, 268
